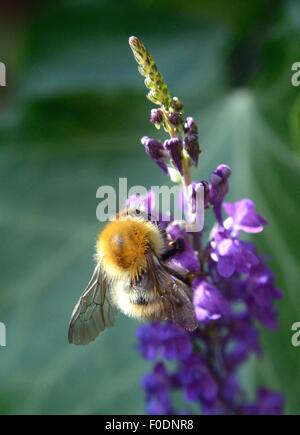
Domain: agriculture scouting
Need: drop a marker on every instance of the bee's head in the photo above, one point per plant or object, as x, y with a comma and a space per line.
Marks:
133, 212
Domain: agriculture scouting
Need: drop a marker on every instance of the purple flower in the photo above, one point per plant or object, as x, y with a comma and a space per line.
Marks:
208, 301
157, 386
196, 381
174, 147
148, 340
187, 258
231, 288
267, 314
154, 148
232, 255
220, 174
159, 406
240, 340
168, 339
269, 402
261, 293
176, 104
157, 383
191, 145
261, 285
175, 119
190, 141
190, 126
218, 189
175, 341
230, 387
156, 116
242, 216
236, 354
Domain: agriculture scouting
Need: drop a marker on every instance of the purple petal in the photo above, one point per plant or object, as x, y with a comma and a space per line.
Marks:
225, 266
208, 301
174, 146
270, 402
244, 216
227, 247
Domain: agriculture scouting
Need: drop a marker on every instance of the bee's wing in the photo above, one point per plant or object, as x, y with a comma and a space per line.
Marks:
174, 294
93, 311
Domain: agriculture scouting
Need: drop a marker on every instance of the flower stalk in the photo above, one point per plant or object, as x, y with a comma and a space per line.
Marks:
233, 289
184, 149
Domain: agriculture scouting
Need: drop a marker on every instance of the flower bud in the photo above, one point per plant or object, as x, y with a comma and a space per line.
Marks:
174, 119
191, 146
219, 175
190, 125
156, 116
174, 147
176, 104
159, 92
155, 150
218, 189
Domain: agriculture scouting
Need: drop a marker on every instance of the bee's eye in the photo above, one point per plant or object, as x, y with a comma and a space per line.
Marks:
137, 211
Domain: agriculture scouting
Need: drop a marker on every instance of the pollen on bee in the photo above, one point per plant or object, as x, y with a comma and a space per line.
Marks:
123, 245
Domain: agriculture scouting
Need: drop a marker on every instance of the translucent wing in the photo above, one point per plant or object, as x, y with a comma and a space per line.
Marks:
174, 294
93, 312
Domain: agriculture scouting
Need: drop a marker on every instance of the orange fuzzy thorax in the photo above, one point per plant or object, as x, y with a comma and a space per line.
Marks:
123, 243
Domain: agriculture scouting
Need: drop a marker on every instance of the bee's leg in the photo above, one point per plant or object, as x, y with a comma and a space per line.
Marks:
174, 248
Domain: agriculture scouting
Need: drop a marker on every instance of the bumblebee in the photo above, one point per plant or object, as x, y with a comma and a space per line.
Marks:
131, 275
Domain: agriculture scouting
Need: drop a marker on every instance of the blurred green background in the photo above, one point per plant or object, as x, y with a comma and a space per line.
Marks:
71, 118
